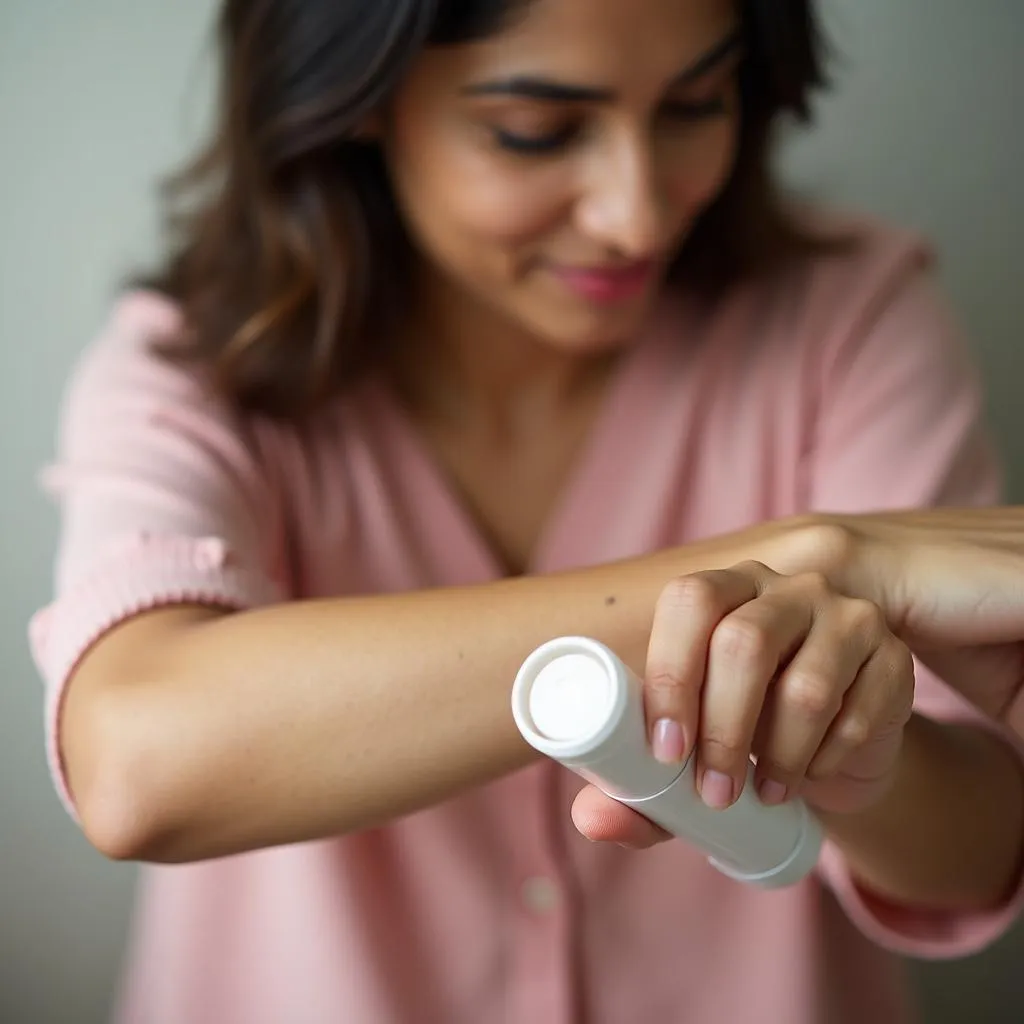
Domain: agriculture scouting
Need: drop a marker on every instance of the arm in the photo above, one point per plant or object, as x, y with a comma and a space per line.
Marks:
947, 835
905, 429
190, 733
193, 710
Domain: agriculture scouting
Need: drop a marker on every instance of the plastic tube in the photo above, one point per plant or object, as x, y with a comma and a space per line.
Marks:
576, 702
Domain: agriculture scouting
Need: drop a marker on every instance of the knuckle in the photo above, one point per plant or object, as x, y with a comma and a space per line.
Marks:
660, 681
757, 570
854, 730
810, 693
814, 583
723, 749
686, 594
664, 691
833, 543
864, 616
741, 638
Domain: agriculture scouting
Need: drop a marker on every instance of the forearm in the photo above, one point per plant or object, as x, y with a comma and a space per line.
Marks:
297, 722
950, 832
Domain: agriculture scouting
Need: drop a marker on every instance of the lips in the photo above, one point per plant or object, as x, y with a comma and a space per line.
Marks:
608, 284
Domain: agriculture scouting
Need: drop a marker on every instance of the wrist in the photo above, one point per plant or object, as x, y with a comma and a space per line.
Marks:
855, 556
947, 832
815, 542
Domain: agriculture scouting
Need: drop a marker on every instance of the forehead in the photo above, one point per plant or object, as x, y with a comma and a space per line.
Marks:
612, 42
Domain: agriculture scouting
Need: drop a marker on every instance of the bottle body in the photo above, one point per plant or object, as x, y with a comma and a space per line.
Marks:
575, 701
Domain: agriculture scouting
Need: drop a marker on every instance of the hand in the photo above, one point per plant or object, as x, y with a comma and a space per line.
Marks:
951, 585
748, 662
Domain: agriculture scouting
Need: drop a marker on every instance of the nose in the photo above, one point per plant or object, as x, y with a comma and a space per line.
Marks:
620, 206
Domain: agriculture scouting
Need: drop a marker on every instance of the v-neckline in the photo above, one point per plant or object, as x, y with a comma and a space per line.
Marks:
605, 456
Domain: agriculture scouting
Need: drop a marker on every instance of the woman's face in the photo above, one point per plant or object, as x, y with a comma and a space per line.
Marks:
550, 172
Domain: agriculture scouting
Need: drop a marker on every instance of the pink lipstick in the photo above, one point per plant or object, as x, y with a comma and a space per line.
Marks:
608, 284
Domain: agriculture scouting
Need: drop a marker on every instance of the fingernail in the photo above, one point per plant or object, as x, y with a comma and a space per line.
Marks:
716, 790
772, 792
668, 742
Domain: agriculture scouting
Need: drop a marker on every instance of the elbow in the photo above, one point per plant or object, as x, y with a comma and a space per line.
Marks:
116, 823
118, 775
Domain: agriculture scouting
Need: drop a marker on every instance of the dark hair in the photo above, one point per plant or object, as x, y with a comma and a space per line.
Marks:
289, 255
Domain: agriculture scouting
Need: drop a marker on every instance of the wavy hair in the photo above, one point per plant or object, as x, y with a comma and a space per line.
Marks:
288, 256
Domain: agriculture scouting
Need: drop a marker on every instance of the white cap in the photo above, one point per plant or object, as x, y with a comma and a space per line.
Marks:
576, 702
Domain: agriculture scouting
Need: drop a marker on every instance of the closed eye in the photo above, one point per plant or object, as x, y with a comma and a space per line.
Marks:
550, 142
553, 142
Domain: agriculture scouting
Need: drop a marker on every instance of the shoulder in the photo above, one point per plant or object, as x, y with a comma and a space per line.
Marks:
854, 265
130, 397
135, 369
128, 400
866, 278
135, 325
865, 261
127, 352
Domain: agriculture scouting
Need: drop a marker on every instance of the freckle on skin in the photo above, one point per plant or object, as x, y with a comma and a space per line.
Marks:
610, 600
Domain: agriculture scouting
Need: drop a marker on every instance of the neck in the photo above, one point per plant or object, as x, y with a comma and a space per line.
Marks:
460, 363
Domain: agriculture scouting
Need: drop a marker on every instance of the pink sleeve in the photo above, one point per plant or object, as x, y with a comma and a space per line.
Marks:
902, 425
161, 501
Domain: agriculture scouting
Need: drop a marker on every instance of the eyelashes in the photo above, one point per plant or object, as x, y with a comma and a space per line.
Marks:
535, 144
553, 142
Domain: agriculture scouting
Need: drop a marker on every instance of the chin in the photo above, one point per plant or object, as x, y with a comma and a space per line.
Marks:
592, 331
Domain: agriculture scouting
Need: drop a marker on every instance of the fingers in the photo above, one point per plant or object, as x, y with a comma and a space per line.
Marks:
877, 706
810, 694
746, 652
601, 819
745, 661
686, 615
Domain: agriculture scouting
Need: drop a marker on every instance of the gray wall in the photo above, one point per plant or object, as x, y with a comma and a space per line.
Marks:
98, 98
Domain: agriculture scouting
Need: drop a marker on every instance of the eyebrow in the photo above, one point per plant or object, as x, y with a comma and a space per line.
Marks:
531, 88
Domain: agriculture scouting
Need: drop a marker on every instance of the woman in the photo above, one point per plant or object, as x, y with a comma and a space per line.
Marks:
486, 326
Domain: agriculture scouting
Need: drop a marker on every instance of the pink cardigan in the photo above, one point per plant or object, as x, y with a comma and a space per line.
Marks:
846, 387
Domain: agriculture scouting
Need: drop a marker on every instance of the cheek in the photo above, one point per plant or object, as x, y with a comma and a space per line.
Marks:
507, 206
457, 195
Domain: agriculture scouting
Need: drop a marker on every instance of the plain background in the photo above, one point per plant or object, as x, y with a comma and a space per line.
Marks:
98, 98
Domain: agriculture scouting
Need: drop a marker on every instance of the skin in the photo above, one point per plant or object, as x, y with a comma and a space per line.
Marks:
503, 375
634, 172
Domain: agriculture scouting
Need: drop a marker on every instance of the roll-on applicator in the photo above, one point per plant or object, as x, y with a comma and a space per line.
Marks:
576, 702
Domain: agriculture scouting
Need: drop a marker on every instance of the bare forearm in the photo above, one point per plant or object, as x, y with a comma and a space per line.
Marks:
287, 724
950, 832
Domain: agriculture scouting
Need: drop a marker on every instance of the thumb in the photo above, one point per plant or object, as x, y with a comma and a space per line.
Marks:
601, 819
